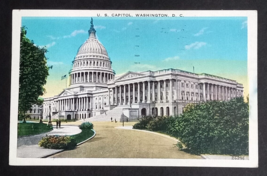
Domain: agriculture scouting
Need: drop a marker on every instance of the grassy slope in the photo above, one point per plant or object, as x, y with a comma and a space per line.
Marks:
85, 134
25, 129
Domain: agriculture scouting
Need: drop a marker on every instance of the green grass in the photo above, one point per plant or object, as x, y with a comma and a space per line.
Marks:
26, 129
85, 134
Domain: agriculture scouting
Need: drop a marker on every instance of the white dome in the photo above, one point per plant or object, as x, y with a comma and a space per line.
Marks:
92, 46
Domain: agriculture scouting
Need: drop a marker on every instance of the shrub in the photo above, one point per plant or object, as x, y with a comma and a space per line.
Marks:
158, 124
57, 142
142, 123
215, 127
86, 125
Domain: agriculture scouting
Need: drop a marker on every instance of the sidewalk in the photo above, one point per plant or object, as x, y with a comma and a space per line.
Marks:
28, 146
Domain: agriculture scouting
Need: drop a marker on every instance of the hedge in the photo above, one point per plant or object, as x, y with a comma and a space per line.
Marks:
212, 127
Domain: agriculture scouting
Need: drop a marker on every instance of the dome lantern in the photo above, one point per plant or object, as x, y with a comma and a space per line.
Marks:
92, 30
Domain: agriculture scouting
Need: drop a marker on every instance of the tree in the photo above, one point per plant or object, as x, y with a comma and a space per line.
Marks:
33, 73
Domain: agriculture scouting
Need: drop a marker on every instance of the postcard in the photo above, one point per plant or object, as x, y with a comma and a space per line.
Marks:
134, 88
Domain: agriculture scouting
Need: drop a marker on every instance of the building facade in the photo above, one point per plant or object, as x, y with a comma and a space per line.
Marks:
94, 90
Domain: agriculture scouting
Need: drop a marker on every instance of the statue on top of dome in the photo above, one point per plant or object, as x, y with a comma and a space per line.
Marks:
92, 29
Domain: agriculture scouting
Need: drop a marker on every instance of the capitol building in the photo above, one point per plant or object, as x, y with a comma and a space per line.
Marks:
96, 93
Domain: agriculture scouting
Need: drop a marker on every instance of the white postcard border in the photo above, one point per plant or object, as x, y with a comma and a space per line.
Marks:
253, 99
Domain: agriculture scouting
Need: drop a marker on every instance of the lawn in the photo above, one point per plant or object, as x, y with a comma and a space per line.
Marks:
85, 134
26, 129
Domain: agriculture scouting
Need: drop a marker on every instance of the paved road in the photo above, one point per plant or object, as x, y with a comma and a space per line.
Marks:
111, 142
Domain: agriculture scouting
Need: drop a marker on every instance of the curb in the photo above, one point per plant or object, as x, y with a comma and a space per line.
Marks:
88, 138
203, 157
53, 153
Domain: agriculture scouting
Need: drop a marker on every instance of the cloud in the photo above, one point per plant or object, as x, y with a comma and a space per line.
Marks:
48, 45
201, 32
244, 24
74, 33
54, 63
142, 67
130, 23
171, 59
100, 27
52, 37
195, 45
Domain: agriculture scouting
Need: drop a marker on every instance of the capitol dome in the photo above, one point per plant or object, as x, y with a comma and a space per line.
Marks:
92, 65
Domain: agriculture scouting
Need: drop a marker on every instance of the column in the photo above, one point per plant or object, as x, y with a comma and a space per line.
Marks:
198, 91
79, 105
112, 97
138, 93
220, 92
133, 92
153, 91
116, 95
102, 104
226, 93
88, 76
144, 92
104, 76
208, 91
124, 94
164, 91
83, 99
148, 91
178, 90
108, 97
170, 93
159, 93
204, 91
212, 92
129, 94
89, 103
120, 96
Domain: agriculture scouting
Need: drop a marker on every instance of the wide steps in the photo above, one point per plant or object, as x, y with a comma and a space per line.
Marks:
114, 113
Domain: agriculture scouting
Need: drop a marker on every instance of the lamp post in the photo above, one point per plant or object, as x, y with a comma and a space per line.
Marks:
122, 115
41, 114
49, 121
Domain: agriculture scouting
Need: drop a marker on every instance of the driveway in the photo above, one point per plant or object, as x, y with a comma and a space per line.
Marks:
111, 141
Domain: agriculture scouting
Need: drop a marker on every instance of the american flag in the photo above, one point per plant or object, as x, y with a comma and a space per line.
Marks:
63, 77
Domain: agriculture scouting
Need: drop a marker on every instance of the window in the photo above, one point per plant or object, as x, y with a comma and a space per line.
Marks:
192, 85
186, 85
182, 84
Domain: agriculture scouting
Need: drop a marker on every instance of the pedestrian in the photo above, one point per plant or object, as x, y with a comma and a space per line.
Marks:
56, 123
111, 119
59, 123
115, 121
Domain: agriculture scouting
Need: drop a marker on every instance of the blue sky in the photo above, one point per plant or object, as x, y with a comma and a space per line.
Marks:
212, 45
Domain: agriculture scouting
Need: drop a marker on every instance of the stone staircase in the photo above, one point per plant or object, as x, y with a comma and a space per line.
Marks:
114, 113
